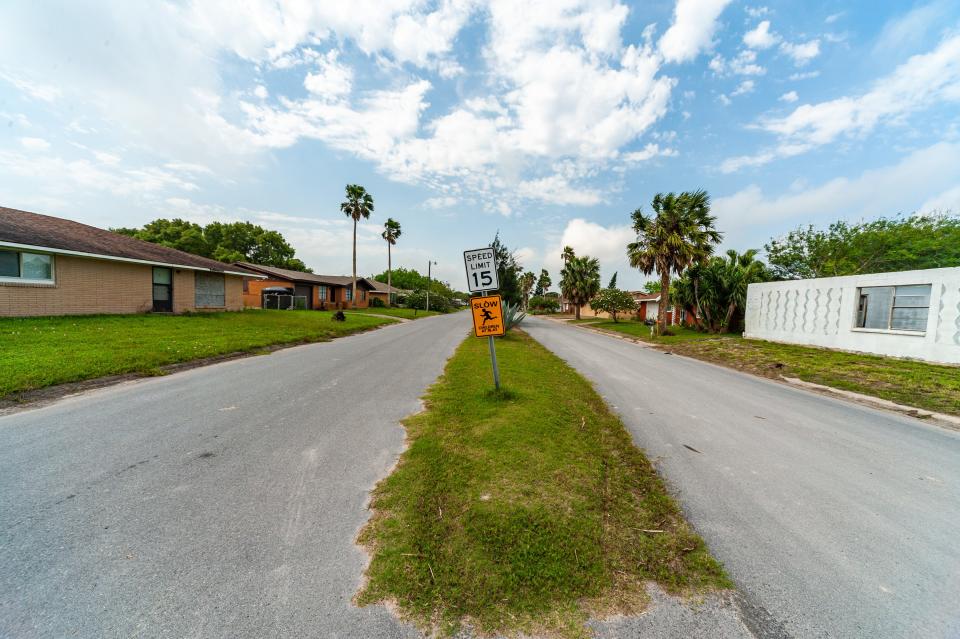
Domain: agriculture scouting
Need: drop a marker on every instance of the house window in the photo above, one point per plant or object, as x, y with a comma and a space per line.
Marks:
348, 294
363, 295
894, 308
17, 266
322, 292
210, 290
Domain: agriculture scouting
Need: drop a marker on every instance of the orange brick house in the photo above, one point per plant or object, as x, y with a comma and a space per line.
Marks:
53, 266
320, 292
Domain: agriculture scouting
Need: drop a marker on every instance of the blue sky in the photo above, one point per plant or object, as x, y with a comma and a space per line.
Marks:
549, 121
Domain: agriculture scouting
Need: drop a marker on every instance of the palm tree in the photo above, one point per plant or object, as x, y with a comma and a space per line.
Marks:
567, 254
580, 280
681, 234
527, 280
717, 289
742, 269
359, 204
391, 231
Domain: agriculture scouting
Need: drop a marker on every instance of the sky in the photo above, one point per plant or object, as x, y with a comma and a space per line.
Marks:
548, 121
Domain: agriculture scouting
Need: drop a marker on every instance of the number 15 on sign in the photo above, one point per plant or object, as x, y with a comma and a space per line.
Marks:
481, 265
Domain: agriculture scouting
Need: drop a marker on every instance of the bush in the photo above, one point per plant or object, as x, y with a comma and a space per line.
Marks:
376, 302
613, 301
339, 317
418, 299
542, 304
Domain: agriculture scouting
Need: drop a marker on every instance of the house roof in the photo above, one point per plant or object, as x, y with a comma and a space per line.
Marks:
381, 287
645, 297
306, 278
25, 230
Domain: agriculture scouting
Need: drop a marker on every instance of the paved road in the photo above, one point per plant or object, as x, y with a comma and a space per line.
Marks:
217, 502
839, 520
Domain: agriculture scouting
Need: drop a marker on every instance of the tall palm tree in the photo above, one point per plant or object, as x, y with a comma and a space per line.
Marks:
359, 204
567, 254
681, 234
580, 281
527, 280
391, 231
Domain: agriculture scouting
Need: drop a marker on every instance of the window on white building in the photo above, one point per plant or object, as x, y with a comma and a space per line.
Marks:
18, 266
894, 308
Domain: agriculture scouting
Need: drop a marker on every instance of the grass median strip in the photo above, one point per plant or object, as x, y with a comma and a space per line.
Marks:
527, 510
394, 311
40, 352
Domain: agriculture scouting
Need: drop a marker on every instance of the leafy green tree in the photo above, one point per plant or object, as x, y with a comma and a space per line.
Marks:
681, 233
716, 290
543, 283
226, 242
357, 206
880, 246
526, 286
651, 287
391, 231
508, 271
409, 279
580, 281
544, 304
613, 301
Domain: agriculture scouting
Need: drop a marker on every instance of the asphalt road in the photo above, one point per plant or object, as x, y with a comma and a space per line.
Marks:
217, 502
836, 519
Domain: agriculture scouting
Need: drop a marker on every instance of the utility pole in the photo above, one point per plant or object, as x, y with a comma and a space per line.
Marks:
429, 264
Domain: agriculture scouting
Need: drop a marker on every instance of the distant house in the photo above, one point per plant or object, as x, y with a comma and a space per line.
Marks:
913, 314
382, 291
317, 292
53, 266
648, 305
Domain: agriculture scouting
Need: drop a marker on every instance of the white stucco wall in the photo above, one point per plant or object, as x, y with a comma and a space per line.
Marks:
822, 312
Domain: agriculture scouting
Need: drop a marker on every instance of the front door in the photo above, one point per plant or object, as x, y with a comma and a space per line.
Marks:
162, 290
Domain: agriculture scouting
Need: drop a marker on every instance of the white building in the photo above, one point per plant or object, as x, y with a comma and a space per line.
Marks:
913, 314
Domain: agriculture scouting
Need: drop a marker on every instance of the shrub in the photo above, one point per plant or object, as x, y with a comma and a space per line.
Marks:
418, 299
376, 302
613, 301
339, 317
543, 304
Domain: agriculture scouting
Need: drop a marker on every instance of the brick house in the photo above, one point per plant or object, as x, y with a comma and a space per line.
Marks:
319, 291
381, 291
648, 307
53, 266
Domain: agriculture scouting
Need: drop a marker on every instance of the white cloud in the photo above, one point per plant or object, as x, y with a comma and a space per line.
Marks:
949, 200
694, 23
261, 92
443, 202
804, 75
789, 96
761, 37
909, 29
902, 187
34, 144
743, 64
801, 53
555, 189
920, 82
606, 243
833, 17
648, 152
745, 87
45, 92
757, 12
332, 79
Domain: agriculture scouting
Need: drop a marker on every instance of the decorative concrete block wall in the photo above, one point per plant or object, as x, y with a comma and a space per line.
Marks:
823, 312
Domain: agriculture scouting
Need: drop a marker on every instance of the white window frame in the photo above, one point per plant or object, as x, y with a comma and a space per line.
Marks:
4, 279
322, 293
348, 296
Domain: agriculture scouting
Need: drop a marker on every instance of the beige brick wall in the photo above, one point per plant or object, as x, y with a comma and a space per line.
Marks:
87, 286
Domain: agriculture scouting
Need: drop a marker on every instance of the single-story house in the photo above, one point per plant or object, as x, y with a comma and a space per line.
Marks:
381, 291
53, 266
913, 314
648, 305
318, 292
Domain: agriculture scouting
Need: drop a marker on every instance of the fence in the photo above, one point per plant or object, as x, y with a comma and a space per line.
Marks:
285, 302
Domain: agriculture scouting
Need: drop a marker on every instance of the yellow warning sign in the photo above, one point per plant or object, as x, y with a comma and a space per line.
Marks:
487, 315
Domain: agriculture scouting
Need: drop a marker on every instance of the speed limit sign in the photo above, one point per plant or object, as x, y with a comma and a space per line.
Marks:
481, 267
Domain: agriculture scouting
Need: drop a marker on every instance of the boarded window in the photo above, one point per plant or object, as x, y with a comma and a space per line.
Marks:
899, 308
210, 290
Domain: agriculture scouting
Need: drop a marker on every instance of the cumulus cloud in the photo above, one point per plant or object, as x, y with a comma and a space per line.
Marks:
789, 96
694, 23
801, 53
761, 37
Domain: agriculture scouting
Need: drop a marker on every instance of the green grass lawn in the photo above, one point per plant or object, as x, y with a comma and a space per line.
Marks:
39, 352
395, 311
526, 510
918, 384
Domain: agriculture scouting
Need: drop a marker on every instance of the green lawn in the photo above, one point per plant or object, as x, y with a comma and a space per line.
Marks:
39, 352
917, 384
526, 510
396, 311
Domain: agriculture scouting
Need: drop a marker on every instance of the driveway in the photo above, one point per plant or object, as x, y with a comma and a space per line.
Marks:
217, 502
836, 520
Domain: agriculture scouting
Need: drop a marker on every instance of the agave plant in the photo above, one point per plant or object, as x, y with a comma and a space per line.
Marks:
512, 315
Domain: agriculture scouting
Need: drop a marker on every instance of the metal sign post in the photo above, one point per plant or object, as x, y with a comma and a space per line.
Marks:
487, 310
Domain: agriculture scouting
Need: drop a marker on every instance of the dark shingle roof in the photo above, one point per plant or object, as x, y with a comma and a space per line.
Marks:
381, 287
307, 278
34, 229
